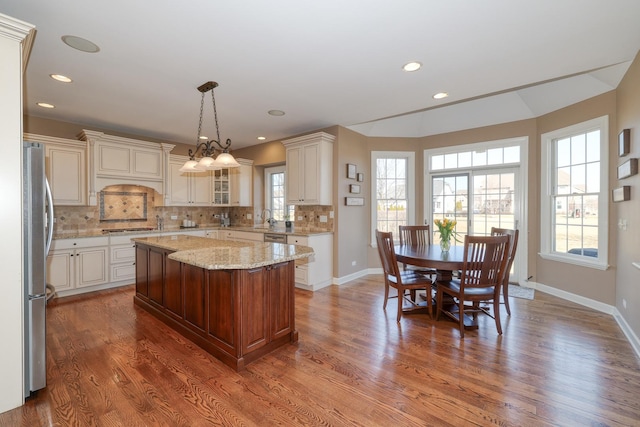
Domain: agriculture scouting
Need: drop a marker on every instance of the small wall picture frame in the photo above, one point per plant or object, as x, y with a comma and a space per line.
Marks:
360, 177
628, 168
351, 171
621, 194
354, 189
354, 201
624, 142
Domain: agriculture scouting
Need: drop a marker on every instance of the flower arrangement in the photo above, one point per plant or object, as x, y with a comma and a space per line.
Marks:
447, 230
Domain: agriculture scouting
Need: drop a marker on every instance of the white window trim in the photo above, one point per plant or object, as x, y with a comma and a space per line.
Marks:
601, 262
522, 254
411, 186
267, 187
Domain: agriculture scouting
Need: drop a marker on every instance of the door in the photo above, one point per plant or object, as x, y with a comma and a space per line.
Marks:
477, 200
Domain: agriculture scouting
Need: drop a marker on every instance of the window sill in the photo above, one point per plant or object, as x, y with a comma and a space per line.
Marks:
581, 261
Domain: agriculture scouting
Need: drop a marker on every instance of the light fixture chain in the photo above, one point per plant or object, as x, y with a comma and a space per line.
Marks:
200, 123
215, 115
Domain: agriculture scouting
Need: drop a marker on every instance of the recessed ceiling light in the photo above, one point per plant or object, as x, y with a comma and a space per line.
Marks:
204, 137
60, 78
440, 95
45, 105
276, 112
81, 44
411, 66
261, 138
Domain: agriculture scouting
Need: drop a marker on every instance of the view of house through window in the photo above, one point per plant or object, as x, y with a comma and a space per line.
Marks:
393, 190
574, 202
275, 194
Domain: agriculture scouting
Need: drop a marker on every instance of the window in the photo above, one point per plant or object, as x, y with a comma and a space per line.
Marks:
392, 191
574, 198
275, 194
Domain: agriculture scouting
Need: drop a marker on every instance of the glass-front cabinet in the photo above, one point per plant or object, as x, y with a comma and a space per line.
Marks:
221, 189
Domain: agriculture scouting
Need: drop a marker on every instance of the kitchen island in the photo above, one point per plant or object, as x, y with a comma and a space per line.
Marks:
234, 299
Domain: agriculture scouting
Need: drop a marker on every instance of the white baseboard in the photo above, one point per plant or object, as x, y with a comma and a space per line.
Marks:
596, 305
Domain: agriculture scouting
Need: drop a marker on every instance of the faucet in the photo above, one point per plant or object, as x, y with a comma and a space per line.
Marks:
160, 221
270, 220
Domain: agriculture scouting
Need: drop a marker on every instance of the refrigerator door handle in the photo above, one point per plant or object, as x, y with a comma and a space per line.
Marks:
49, 216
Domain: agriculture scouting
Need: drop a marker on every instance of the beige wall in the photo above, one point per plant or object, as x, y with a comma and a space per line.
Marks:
587, 282
627, 247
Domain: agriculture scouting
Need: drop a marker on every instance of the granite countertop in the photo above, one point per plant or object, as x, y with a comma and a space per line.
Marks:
214, 254
301, 231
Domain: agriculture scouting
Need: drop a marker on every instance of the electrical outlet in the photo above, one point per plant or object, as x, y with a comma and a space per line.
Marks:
249, 216
323, 218
299, 217
174, 216
624, 303
353, 263
331, 214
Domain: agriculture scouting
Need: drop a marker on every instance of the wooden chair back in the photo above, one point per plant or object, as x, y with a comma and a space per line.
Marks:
415, 235
513, 245
387, 253
485, 258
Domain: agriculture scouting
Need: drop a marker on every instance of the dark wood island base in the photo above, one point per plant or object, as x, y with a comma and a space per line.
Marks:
237, 315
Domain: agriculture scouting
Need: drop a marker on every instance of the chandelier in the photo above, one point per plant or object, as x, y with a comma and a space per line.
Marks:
205, 149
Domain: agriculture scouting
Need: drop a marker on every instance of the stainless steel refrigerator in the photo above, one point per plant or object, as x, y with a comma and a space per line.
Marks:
37, 227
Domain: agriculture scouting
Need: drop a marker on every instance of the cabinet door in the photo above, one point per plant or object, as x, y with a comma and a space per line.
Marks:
178, 185
200, 188
142, 271
310, 174
194, 295
254, 311
221, 187
92, 266
60, 271
281, 300
65, 169
156, 275
172, 286
294, 176
147, 163
241, 185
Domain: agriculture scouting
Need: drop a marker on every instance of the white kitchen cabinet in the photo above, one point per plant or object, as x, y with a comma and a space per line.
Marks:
310, 169
188, 188
221, 187
211, 234
65, 166
241, 184
243, 236
122, 258
315, 272
74, 264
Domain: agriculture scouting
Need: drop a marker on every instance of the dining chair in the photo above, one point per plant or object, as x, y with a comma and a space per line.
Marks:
416, 235
401, 280
485, 260
513, 245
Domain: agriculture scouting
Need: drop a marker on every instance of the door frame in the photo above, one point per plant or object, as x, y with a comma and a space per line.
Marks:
522, 253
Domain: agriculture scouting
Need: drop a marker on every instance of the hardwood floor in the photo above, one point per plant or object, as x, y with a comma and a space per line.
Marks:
560, 364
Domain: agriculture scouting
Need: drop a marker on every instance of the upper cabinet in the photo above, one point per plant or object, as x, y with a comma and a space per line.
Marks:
116, 160
187, 189
241, 184
222, 187
66, 170
310, 169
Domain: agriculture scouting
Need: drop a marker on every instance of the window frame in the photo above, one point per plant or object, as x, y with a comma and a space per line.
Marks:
268, 171
547, 207
410, 156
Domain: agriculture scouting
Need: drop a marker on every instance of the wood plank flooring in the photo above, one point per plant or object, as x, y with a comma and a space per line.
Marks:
557, 364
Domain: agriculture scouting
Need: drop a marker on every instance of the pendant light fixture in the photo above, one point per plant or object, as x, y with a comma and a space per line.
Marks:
205, 149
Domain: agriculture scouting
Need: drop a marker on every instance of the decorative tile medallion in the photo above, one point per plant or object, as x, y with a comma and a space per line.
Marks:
123, 206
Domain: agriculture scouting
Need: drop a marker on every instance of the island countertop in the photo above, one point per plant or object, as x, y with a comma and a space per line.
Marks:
212, 254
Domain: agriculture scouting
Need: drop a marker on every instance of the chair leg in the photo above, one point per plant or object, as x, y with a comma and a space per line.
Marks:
461, 316
438, 303
386, 295
430, 302
400, 303
505, 295
496, 314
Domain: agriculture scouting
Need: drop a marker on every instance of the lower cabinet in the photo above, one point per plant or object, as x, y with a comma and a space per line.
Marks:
315, 272
236, 315
74, 264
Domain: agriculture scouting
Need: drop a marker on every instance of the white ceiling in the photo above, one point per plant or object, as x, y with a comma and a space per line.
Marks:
323, 63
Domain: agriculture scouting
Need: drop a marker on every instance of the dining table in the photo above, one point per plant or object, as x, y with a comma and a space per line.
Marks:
445, 263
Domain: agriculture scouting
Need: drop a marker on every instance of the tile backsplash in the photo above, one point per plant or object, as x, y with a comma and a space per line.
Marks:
80, 219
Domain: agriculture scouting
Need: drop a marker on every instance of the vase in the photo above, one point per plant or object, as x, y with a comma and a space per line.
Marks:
445, 244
